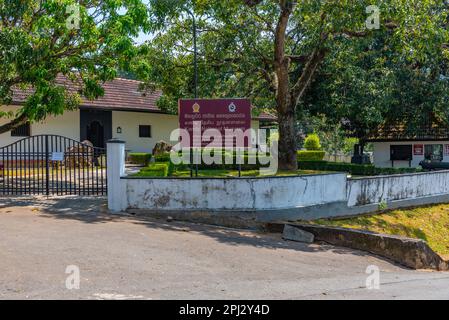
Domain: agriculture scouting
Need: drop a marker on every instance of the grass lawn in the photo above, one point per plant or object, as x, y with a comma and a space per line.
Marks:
21, 173
235, 173
429, 223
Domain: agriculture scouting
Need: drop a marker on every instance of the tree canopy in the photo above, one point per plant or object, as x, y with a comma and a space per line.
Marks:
370, 83
87, 41
272, 51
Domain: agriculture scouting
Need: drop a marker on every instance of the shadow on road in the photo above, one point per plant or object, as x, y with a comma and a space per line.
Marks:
93, 210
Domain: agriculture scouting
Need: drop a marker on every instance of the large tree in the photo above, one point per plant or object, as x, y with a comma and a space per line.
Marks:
87, 41
396, 91
270, 50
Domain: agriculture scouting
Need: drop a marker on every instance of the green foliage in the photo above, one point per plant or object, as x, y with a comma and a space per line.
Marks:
162, 169
223, 27
248, 161
348, 145
140, 158
38, 42
383, 206
311, 155
428, 223
312, 142
165, 157
331, 134
374, 81
274, 136
353, 169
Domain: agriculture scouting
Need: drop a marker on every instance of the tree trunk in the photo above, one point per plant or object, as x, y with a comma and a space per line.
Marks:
286, 107
17, 122
287, 141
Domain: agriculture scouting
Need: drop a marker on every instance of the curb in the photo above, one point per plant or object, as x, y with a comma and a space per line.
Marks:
412, 253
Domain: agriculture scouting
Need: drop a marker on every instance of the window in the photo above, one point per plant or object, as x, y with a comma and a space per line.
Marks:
401, 153
433, 152
144, 131
21, 131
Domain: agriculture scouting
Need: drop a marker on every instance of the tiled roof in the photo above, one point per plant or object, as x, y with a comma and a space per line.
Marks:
400, 132
119, 94
263, 116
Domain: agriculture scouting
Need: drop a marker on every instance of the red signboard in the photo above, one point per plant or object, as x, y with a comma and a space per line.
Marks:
418, 150
219, 114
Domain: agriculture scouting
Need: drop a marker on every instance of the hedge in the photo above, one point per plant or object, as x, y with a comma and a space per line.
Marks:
140, 158
304, 155
353, 169
162, 157
162, 169
246, 165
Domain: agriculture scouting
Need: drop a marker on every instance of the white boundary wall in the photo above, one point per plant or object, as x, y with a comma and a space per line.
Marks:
372, 190
235, 194
257, 194
217, 194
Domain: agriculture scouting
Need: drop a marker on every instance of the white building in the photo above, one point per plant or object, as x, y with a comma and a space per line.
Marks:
123, 112
397, 148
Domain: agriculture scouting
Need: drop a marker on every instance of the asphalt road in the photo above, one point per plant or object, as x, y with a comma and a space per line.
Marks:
128, 258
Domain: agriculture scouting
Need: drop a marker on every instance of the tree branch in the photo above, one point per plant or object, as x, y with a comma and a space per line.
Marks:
22, 119
310, 68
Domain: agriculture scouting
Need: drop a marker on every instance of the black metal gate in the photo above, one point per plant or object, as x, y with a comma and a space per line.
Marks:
52, 165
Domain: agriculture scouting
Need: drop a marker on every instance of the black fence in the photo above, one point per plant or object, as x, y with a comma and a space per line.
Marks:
52, 165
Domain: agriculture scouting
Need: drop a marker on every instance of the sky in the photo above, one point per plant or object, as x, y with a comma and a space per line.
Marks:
142, 38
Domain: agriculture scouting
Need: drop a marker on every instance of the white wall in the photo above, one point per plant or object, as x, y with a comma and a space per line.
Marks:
235, 194
161, 127
374, 190
67, 125
272, 193
382, 153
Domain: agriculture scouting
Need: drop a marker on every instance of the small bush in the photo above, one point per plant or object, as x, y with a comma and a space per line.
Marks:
311, 155
312, 142
165, 157
250, 162
156, 170
140, 158
353, 169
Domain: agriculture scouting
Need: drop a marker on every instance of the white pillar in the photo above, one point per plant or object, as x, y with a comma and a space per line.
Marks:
117, 200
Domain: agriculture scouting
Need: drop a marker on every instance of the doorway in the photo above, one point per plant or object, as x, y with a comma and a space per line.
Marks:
96, 126
95, 133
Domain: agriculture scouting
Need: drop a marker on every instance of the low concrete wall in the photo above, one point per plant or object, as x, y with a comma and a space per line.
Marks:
248, 201
374, 190
412, 253
243, 194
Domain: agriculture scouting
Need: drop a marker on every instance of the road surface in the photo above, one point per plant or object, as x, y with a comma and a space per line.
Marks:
120, 257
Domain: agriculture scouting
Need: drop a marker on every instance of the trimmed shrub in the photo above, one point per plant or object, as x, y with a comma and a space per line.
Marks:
165, 157
250, 162
140, 158
353, 169
312, 142
311, 155
156, 170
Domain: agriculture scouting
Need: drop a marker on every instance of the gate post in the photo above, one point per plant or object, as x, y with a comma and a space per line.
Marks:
47, 167
117, 200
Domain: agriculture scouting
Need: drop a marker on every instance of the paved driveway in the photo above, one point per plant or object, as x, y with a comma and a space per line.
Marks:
124, 258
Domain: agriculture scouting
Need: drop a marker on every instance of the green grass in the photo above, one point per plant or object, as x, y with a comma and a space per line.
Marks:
234, 173
157, 170
429, 223
154, 170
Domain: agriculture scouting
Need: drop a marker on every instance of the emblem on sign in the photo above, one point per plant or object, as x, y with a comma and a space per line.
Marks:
196, 108
232, 107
